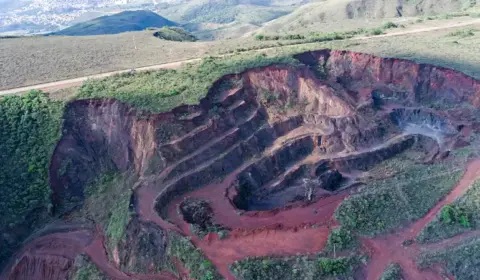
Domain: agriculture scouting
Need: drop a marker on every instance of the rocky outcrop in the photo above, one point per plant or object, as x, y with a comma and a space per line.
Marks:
144, 248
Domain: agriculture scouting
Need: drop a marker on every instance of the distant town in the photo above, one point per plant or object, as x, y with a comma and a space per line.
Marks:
43, 16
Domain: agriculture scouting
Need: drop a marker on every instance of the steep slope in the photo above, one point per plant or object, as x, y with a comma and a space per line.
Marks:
118, 23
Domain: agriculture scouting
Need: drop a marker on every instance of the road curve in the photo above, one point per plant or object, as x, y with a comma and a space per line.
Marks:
175, 65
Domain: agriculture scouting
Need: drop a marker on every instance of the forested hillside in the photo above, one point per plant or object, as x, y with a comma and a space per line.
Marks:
29, 130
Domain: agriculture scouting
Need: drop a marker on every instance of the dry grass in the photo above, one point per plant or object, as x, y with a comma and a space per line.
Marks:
28, 61
34, 60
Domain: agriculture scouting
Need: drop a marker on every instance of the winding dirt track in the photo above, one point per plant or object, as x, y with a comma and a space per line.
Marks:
177, 64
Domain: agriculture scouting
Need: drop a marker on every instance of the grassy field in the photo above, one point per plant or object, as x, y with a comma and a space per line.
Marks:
27, 61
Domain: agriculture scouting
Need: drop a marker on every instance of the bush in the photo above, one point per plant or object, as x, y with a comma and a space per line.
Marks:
392, 272
340, 239
454, 214
389, 25
174, 34
376, 31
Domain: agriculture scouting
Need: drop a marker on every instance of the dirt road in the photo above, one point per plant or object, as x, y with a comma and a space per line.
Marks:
175, 65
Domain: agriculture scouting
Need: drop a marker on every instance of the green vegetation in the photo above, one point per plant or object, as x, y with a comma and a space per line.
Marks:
340, 239
163, 90
224, 12
174, 34
453, 214
199, 266
29, 130
412, 190
86, 270
461, 216
300, 267
118, 23
107, 202
331, 36
462, 33
463, 261
392, 272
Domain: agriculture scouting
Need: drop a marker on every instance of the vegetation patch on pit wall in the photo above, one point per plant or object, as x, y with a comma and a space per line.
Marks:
392, 272
300, 267
86, 270
193, 259
461, 216
107, 202
163, 90
406, 196
29, 130
462, 261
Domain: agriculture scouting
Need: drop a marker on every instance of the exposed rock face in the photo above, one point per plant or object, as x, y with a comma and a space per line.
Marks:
98, 135
144, 248
334, 107
39, 267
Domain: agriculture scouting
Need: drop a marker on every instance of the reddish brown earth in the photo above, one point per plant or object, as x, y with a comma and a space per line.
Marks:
273, 151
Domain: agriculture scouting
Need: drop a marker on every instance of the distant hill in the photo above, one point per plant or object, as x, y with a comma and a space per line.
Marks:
118, 23
174, 34
325, 13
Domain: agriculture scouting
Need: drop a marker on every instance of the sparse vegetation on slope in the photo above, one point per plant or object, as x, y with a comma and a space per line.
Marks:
197, 264
29, 129
86, 270
163, 90
107, 202
301, 267
407, 196
461, 216
462, 261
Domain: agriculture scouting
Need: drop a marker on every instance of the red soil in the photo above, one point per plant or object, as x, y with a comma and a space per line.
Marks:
289, 232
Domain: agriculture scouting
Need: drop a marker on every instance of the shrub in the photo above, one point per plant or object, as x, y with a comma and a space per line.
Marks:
389, 25
392, 272
340, 239
376, 31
